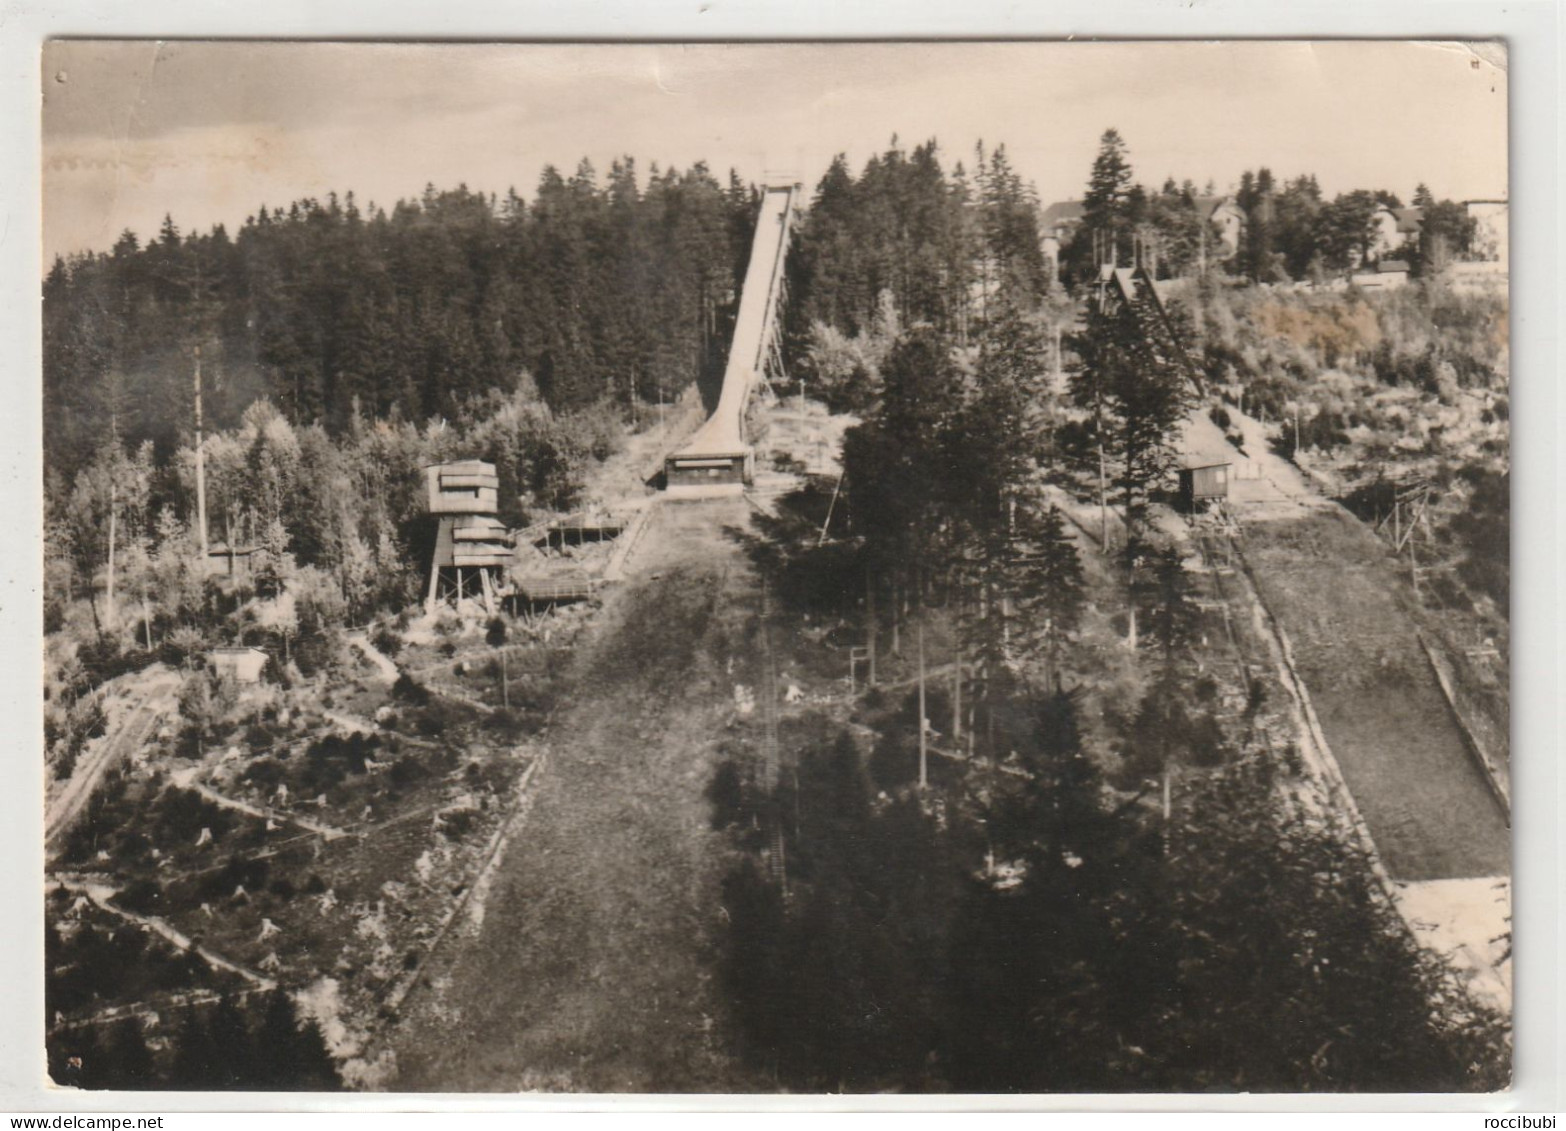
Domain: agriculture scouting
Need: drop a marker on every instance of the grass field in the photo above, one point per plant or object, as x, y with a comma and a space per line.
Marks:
1329, 584
592, 966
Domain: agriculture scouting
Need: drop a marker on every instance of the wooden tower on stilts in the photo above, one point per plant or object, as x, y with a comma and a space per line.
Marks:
472, 546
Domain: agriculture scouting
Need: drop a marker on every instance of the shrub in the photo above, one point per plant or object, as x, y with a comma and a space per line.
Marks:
386, 641
264, 773
250, 873
409, 690
183, 813
406, 770
439, 716
331, 759
144, 897
458, 823
726, 793
510, 725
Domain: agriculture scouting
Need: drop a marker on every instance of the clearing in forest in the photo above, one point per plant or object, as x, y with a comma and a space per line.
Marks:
1328, 582
592, 965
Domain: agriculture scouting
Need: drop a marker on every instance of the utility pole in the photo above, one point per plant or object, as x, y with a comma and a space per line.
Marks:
870, 625
1413, 565
1103, 501
827, 525
201, 476
111, 614
924, 765
957, 697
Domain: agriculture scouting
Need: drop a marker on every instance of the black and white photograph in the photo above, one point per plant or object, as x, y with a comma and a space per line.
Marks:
762, 569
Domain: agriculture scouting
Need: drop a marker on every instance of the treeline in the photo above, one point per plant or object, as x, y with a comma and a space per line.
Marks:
944, 478
336, 523
1291, 230
616, 291
341, 350
933, 245
252, 1044
611, 290
1028, 931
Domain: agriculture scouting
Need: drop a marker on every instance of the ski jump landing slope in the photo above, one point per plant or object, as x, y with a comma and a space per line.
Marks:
721, 440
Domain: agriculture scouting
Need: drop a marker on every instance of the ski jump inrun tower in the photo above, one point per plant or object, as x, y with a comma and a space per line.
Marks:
719, 459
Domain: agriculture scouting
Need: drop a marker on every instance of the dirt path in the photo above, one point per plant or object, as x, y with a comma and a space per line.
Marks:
592, 966
384, 667
151, 699
187, 779
101, 896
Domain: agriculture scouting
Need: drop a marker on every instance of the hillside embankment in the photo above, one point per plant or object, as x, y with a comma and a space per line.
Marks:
592, 966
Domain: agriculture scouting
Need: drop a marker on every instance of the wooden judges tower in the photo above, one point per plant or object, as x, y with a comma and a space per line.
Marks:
471, 545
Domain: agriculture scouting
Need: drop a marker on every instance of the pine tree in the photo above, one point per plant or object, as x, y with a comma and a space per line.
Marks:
1131, 375
1346, 230
231, 1054
1162, 586
1060, 586
194, 1065
1256, 198
1296, 970
291, 1056
1109, 183
1104, 232
129, 1060
894, 460
1295, 221
1038, 998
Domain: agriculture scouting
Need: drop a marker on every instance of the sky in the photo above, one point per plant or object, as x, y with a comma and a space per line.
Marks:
209, 131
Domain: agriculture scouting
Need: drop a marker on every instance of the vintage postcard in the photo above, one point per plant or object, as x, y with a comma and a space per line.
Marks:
777, 568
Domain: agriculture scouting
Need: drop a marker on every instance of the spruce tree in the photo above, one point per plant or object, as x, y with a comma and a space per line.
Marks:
129, 1060
194, 1066
1060, 587
1105, 222
230, 1052
1109, 183
290, 1055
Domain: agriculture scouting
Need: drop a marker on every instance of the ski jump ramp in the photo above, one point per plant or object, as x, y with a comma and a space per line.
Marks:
719, 460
